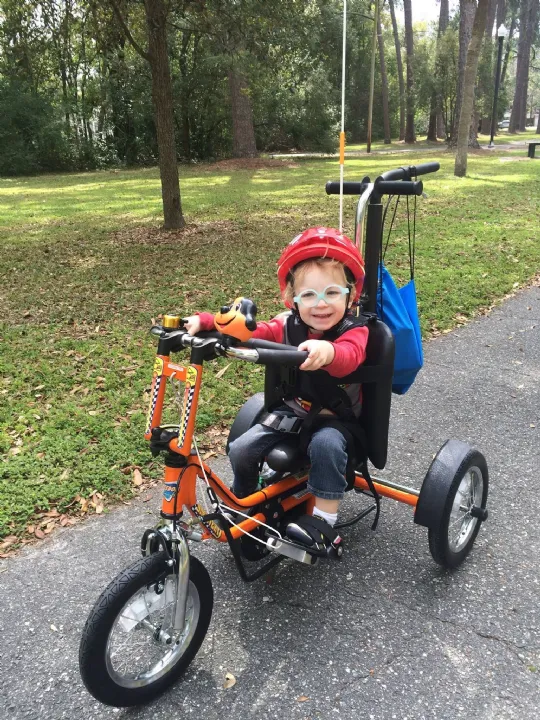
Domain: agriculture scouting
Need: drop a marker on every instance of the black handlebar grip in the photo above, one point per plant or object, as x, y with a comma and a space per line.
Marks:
397, 174
426, 168
281, 357
399, 187
269, 345
349, 188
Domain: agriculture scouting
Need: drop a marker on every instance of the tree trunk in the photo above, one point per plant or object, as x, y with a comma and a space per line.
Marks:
508, 45
436, 129
492, 10
500, 13
410, 136
399, 71
532, 21
242, 115
185, 96
384, 85
156, 18
522, 60
486, 87
467, 104
467, 10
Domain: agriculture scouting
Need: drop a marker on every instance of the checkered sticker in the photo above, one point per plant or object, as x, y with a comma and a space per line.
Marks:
189, 393
156, 384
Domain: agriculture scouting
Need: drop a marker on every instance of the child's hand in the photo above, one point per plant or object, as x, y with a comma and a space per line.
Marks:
321, 353
192, 324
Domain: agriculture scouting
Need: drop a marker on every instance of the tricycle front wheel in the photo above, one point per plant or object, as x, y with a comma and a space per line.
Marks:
129, 650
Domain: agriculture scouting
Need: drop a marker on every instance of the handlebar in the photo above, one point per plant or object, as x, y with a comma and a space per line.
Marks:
392, 182
261, 352
406, 173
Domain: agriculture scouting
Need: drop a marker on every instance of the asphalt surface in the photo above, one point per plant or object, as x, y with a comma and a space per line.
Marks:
384, 634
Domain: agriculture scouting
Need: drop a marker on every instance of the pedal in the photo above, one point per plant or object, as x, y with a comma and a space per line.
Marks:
290, 550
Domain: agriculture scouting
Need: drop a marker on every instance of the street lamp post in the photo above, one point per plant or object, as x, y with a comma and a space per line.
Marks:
501, 34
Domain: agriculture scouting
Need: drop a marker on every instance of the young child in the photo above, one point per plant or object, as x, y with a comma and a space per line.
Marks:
320, 275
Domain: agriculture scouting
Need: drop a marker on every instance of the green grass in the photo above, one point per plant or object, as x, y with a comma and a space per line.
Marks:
504, 137
84, 271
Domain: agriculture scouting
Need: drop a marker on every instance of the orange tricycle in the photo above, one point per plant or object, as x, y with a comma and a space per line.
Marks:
149, 623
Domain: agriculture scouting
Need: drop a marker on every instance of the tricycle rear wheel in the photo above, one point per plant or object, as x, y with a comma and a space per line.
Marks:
464, 509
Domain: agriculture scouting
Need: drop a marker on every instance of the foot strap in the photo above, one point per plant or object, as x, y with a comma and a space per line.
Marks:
317, 535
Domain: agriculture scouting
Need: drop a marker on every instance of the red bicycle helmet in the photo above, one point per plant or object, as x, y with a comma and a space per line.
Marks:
321, 242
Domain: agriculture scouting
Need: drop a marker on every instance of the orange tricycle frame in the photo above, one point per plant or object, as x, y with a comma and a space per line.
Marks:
180, 479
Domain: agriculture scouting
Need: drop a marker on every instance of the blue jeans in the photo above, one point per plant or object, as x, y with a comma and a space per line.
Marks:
327, 452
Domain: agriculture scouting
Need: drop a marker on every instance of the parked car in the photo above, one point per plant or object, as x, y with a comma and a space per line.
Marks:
503, 124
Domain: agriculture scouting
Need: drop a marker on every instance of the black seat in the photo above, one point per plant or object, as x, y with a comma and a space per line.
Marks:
376, 378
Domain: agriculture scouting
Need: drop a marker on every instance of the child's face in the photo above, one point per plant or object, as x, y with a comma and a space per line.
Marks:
324, 315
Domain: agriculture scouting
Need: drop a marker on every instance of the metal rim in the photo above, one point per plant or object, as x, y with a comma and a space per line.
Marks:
461, 524
143, 645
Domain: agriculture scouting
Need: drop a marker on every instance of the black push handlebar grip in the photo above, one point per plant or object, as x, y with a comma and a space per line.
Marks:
281, 357
349, 188
397, 174
426, 168
406, 173
399, 187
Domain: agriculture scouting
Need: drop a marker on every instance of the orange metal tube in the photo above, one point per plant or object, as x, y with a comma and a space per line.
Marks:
399, 495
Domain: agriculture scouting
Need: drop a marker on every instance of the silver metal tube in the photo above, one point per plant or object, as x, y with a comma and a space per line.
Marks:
182, 551
393, 485
242, 354
360, 210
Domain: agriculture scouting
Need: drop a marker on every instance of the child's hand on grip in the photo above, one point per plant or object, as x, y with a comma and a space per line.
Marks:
192, 324
321, 353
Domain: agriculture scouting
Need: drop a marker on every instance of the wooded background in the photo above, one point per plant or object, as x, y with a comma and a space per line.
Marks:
87, 84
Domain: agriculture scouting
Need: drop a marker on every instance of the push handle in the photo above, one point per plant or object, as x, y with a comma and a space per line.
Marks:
383, 186
400, 177
349, 188
406, 173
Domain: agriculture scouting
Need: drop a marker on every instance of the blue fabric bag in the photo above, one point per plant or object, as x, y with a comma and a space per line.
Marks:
397, 307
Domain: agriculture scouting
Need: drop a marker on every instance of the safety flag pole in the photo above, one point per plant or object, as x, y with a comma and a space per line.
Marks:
342, 133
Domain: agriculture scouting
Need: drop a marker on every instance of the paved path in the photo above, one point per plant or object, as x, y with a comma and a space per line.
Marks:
384, 634
441, 147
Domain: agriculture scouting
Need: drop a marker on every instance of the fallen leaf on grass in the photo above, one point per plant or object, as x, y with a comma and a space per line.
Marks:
8, 541
137, 477
39, 534
221, 373
230, 681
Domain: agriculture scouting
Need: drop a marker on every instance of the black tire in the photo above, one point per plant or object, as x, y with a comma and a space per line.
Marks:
452, 539
135, 592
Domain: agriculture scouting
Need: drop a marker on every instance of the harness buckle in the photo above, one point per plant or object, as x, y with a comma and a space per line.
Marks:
283, 423
290, 424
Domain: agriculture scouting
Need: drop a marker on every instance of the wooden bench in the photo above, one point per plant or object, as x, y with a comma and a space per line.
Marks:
532, 148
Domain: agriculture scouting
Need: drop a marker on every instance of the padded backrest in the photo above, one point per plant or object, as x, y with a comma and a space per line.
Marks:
376, 378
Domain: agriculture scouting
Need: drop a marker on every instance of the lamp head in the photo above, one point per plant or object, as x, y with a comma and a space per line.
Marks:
502, 32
